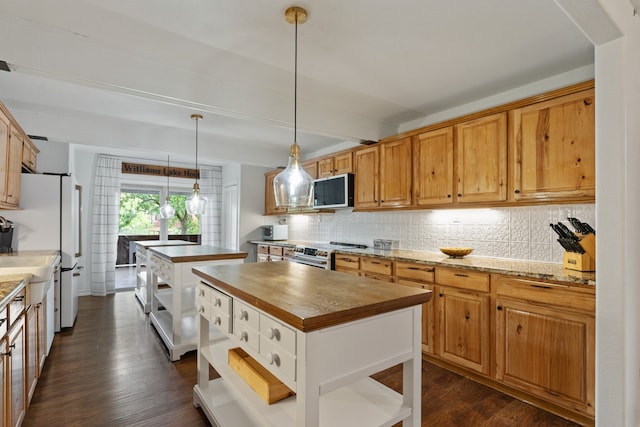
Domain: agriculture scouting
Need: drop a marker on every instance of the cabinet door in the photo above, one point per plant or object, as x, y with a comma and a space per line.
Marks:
554, 149
481, 159
32, 351
463, 328
14, 168
395, 173
366, 178
433, 167
547, 352
325, 167
5, 127
311, 168
17, 379
428, 316
343, 163
269, 195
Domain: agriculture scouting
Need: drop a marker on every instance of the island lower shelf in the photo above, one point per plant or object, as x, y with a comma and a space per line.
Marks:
231, 402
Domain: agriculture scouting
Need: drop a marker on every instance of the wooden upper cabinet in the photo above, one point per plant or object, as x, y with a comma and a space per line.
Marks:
366, 165
481, 159
325, 167
29, 155
311, 168
554, 149
14, 168
395, 173
5, 132
269, 195
335, 165
433, 167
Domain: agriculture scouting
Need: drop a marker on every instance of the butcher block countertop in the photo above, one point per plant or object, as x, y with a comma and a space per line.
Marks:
195, 253
309, 298
152, 243
10, 285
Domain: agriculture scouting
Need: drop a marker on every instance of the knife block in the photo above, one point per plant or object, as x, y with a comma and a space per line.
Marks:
585, 261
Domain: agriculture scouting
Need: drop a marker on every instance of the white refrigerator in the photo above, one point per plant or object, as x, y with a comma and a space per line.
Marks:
49, 218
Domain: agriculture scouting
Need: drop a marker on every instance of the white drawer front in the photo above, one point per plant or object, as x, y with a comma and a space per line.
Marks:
162, 268
221, 302
277, 333
246, 324
278, 361
204, 308
220, 321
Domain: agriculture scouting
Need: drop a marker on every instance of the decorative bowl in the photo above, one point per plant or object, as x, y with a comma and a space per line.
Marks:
455, 252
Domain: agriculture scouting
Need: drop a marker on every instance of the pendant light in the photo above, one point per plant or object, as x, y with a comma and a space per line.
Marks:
195, 203
167, 211
293, 186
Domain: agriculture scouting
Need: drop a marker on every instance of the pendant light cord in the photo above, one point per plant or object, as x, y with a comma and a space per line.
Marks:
168, 173
295, 86
197, 172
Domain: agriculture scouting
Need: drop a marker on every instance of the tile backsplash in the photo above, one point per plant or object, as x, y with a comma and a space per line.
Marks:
516, 233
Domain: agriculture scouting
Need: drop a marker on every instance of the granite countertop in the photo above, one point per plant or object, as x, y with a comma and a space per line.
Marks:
194, 253
310, 298
10, 285
531, 269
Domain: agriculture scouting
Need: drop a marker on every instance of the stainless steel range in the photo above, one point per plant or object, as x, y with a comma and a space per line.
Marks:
320, 255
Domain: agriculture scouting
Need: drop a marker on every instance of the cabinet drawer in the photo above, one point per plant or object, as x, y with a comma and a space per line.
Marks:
280, 362
220, 303
276, 250
376, 265
275, 332
465, 279
246, 324
416, 272
162, 268
220, 321
263, 249
381, 277
553, 294
349, 262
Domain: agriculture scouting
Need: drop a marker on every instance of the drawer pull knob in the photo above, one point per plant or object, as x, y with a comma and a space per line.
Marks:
244, 336
243, 315
217, 302
218, 321
273, 359
499, 308
201, 310
273, 333
2, 321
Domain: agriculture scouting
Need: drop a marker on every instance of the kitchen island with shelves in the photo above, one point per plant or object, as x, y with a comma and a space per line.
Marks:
321, 333
173, 305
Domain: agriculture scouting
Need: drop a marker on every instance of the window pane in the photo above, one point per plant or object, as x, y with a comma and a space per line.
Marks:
182, 223
139, 213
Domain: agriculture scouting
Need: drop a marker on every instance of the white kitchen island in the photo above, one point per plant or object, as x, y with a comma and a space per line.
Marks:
322, 333
173, 305
143, 278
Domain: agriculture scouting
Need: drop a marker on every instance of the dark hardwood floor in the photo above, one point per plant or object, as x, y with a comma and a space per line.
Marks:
112, 369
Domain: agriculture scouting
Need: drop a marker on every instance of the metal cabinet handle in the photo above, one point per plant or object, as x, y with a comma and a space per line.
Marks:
461, 275
2, 321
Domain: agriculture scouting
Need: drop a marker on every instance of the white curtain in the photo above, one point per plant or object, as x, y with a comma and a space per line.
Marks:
105, 220
211, 188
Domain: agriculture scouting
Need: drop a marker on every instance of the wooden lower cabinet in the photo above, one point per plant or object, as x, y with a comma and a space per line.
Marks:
347, 264
16, 381
376, 268
545, 341
463, 328
32, 351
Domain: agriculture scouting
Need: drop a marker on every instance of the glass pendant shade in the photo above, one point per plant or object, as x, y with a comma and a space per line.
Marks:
167, 211
293, 186
195, 203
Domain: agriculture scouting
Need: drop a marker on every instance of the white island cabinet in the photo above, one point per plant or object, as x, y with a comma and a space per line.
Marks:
173, 305
143, 278
322, 333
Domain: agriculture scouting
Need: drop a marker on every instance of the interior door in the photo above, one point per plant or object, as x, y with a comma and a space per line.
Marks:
230, 232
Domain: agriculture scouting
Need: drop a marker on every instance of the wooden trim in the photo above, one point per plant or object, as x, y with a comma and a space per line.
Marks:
589, 84
156, 170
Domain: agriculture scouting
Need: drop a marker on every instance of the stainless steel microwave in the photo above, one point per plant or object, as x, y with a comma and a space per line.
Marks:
334, 191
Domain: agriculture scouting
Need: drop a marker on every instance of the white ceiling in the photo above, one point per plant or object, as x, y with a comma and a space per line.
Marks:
129, 74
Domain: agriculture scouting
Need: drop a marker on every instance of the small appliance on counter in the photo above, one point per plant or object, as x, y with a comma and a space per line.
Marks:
275, 232
6, 236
